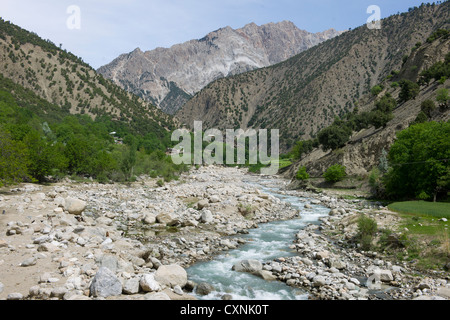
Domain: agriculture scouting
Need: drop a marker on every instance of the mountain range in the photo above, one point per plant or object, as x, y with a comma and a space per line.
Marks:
305, 93
169, 77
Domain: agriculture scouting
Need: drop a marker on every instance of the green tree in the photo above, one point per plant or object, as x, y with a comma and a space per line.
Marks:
303, 147
79, 152
128, 161
45, 158
103, 165
13, 159
335, 173
380, 119
386, 104
382, 114
442, 97
334, 136
419, 161
427, 107
409, 90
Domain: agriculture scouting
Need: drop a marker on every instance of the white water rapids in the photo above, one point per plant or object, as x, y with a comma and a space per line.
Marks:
269, 241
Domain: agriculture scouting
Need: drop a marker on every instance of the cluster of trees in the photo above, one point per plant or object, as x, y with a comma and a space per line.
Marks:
419, 162
440, 71
339, 133
416, 167
35, 147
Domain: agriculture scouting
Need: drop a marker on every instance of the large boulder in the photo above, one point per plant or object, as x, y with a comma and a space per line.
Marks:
167, 218
105, 284
250, 266
171, 275
319, 281
380, 274
204, 289
74, 206
207, 216
202, 204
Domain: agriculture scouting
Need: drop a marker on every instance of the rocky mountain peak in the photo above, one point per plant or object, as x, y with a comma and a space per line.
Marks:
168, 77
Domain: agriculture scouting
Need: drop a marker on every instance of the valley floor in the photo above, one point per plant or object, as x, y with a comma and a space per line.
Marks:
147, 235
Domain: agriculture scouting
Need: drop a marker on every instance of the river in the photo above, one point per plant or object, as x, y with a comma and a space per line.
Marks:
269, 241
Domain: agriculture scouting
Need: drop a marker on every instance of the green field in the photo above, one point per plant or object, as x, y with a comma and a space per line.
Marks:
426, 236
433, 209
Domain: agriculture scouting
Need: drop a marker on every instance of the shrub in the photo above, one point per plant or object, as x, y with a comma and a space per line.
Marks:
428, 107
443, 96
374, 178
409, 90
302, 174
367, 228
376, 90
421, 118
335, 173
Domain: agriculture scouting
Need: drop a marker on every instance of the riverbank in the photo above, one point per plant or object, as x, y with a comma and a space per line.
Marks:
83, 241
331, 266
55, 240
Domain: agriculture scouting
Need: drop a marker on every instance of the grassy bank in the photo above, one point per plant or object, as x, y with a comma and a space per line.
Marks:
433, 209
426, 236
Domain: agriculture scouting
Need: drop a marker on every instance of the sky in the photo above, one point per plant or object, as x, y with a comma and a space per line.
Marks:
99, 31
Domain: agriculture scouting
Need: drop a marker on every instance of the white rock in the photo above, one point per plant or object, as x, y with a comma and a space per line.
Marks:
171, 275
207, 216
74, 206
148, 283
214, 199
14, 296
131, 286
149, 218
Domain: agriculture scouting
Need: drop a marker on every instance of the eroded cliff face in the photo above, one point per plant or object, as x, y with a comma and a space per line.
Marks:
168, 77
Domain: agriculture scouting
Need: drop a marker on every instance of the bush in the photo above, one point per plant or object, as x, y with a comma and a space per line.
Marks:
335, 173
442, 96
302, 174
409, 90
367, 228
421, 118
427, 107
376, 90
334, 137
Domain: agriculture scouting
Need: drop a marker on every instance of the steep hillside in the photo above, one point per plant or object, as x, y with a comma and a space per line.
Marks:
305, 93
64, 80
168, 77
365, 148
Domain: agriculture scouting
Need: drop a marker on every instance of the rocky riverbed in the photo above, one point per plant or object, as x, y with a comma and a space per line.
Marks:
95, 241
330, 266
83, 241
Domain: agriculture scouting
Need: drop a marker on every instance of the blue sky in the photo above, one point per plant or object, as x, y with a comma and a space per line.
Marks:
110, 28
